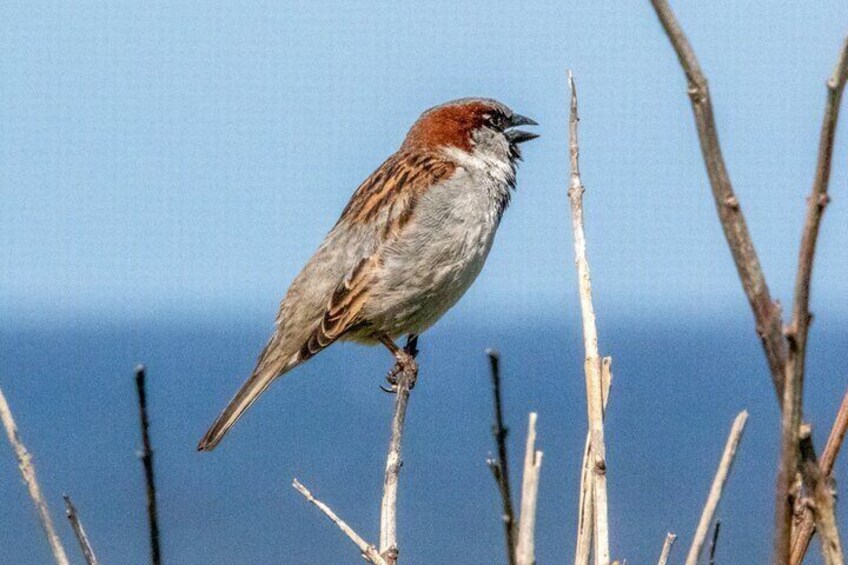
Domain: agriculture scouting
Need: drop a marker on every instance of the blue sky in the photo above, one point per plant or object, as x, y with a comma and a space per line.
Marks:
186, 159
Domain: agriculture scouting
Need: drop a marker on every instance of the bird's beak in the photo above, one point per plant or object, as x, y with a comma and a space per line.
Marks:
516, 136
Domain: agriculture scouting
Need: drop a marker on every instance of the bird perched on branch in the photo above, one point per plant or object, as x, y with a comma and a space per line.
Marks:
410, 242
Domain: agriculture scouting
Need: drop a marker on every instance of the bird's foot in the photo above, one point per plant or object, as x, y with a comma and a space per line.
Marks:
405, 367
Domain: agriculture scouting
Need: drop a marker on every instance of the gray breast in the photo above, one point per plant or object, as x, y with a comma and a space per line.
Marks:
439, 255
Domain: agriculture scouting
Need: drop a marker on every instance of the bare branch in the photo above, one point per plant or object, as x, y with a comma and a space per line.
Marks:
766, 311
28, 473
592, 367
714, 541
79, 532
717, 488
816, 203
666, 549
369, 552
147, 462
798, 330
525, 550
804, 531
388, 509
500, 466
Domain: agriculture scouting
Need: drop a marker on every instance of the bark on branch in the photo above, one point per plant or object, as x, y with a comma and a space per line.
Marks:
766, 311
796, 334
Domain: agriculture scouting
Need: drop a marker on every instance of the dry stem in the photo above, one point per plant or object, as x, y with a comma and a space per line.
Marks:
147, 462
717, 488
666, 549
525, 553
28, 473
592, 366
500, 466
369, 552
79, 532
584, 518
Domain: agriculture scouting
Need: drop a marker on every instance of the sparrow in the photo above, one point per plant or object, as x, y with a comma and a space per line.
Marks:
410, 242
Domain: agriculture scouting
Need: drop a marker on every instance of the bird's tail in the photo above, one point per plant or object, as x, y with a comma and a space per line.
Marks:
272, 364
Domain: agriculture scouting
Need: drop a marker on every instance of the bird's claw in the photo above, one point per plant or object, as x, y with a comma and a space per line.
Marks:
404, 366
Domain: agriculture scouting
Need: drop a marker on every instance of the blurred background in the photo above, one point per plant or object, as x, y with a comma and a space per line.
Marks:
167, 169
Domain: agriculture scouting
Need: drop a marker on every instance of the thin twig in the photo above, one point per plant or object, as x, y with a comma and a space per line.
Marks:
804, 531
822, 503
147, 462
79, 532
666, 549
717, 488
28, 473
388, 509
500, 466
525, 552
714, 541
592, 366
816, 203
798, 330
766, 311
369, 552
585, 520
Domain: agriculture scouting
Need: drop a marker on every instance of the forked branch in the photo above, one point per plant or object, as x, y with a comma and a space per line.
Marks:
369, 552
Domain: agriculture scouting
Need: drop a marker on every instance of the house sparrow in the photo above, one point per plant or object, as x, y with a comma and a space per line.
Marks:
410, 242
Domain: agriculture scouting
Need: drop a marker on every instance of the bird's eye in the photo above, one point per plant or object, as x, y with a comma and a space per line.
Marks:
496, 120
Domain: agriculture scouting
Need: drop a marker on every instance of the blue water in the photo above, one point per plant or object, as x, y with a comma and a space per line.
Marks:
678, 384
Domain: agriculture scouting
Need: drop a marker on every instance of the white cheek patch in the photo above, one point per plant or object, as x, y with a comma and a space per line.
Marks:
479, 161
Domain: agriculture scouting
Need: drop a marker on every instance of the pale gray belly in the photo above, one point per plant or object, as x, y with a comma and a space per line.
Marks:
428, 269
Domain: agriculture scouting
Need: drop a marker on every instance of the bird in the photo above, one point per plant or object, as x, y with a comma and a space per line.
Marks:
410, 242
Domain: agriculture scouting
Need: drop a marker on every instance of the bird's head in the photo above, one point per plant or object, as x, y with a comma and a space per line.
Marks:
480, 127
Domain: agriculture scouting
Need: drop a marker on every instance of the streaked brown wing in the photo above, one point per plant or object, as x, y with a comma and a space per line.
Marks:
385, 201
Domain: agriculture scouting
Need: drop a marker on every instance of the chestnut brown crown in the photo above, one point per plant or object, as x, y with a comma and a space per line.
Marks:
453, 124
